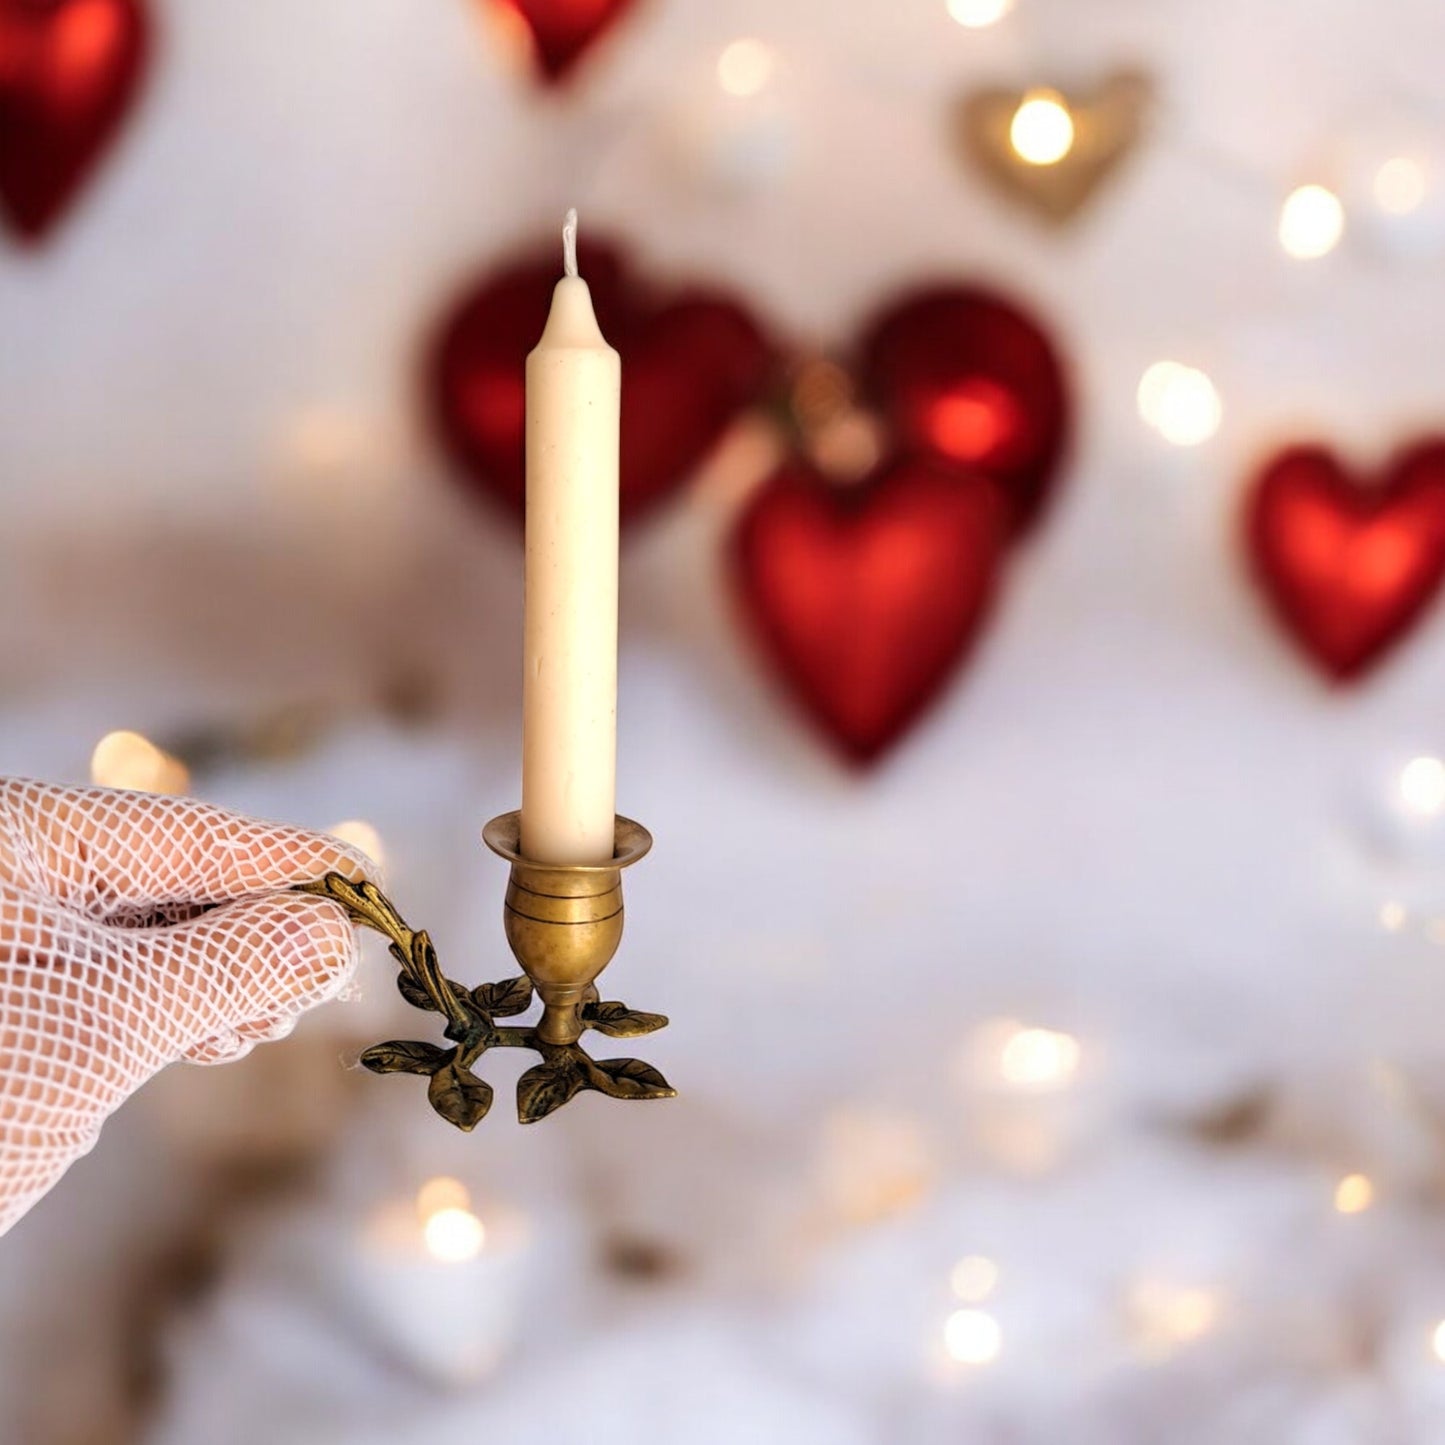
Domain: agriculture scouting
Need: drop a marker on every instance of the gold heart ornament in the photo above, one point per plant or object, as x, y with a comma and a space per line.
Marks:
1048, 149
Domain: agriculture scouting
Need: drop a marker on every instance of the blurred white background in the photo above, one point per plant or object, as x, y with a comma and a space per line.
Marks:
1138, 821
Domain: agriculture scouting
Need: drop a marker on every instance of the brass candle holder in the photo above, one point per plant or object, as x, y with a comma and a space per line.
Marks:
563, 922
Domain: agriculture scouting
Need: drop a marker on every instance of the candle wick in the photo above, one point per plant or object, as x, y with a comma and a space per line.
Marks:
569, 242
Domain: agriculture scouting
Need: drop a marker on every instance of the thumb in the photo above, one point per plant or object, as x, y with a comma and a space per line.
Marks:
245, 972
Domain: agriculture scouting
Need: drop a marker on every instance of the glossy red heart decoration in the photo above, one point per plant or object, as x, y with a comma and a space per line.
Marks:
690, 362
866, 598
68, 72
561, 31
1348, 565
966, 375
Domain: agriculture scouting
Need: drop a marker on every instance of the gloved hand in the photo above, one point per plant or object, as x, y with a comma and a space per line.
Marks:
137, 930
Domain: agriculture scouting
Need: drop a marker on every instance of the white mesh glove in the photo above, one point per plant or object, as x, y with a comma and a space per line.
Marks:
137, 930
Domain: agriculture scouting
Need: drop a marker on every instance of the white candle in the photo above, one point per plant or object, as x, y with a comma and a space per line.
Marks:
569, 686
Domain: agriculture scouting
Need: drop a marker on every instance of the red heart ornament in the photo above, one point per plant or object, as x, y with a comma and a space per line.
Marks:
1348, 566
866, 598
965, 375
68, 72
561, 31
690, 363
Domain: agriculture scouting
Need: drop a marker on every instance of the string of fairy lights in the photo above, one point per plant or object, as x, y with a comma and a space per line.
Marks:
1177, 400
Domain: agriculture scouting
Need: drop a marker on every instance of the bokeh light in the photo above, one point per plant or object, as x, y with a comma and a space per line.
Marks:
453, 1235
1180, 403
1033, 1058
1166, 1316
360, 834
1422, 786
126, 759
1392, 915
849, 447
1400, 186
745, 67
442, 1192
1354, 1194
972, 1337
974, 1278
1311, 222
978, 14
1042, 130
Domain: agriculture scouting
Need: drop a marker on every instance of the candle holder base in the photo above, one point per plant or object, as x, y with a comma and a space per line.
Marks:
563, 923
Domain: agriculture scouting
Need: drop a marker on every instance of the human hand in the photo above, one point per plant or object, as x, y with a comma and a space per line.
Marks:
137, 930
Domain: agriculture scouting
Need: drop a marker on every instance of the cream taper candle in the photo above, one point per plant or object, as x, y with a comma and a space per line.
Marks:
569, 686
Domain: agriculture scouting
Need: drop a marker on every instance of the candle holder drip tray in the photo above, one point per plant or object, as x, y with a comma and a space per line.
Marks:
564, 923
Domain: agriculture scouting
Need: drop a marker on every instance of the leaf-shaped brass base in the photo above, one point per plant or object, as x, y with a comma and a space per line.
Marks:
454, 1091
567, 1069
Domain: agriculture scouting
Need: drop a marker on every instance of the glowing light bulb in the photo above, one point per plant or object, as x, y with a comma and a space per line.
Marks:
1038, 1058
453, 1235
1180, 403
1422, 786
978, 14
1311, 223
1400, 186
128, 760
1354, 1194
360, 835
1042, 130
972, 1337
1437, 1341
745, 67
973, 1278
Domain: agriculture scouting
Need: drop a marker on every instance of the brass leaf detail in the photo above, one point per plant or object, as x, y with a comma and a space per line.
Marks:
544, 1088
618, 1021
502, 1000
413, 992
406, 1056
459, 1096
628, 1079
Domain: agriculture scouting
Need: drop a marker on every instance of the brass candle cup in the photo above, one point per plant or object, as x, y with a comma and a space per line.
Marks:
564, 920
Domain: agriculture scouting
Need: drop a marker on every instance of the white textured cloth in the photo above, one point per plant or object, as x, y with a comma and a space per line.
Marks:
137, 930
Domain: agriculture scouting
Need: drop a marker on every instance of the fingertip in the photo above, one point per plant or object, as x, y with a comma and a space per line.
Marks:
284, 855
358, 852
348, 860
297, 952
316, 947
238, 973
